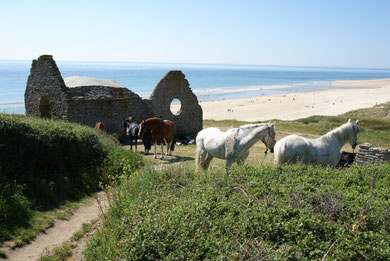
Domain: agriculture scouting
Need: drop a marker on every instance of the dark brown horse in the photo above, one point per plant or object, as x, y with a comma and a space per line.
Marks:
132, 130
100, 126
162, 131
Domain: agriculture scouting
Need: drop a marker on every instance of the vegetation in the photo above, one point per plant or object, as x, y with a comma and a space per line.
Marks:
64, 252
290, 212
45, 164
60, 253
293, 212
372, 130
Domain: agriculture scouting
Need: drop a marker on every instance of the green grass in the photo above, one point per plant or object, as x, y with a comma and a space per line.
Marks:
374, 131
86, 228
60, 253
293, 212
272, 213
47, 164
64, 251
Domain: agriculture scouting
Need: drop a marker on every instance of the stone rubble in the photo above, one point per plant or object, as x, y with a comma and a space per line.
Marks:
369, 154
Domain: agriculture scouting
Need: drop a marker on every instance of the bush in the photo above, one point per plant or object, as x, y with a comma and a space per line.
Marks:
292, 212
44, 162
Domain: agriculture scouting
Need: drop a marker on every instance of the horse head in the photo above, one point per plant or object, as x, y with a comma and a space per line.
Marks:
142, 129
126, 126
353, 141
100, 126
270, 137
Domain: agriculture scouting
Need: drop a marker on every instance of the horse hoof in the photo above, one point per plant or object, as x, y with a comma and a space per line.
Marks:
154, 157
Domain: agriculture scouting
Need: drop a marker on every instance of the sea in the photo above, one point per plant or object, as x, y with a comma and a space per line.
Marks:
208, 81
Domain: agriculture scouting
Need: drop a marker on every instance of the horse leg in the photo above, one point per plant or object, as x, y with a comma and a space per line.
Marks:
207, 161
241, 160
162, 150
131, 143
228, 163
155, 147
168, 150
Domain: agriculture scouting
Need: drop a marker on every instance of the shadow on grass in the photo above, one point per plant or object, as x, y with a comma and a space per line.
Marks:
169, 159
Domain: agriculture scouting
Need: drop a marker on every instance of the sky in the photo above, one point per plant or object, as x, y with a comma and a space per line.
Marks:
331, 33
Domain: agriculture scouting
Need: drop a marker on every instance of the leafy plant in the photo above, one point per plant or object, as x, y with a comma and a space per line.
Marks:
291, 212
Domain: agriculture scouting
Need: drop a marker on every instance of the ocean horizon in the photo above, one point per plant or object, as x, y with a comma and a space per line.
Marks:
210, 82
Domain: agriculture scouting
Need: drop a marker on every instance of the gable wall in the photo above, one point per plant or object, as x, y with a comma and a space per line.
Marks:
88, 105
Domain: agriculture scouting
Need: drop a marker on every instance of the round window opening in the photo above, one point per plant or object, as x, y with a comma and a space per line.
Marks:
176, 107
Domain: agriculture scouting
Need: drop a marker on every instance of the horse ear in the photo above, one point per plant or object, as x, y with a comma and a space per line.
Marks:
349, 120
357, 122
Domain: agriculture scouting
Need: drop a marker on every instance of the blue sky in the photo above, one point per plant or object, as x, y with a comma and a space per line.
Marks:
343, 33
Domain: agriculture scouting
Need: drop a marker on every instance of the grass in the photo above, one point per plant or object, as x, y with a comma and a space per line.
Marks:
380, 111
60, 253
40, 221
284, 213
64, 251
373, 131
293, 212
3, 254
86, 228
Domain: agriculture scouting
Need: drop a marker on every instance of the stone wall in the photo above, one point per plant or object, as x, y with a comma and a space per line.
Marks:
189, 120
47, 96
45, 91
369, 154
116, 105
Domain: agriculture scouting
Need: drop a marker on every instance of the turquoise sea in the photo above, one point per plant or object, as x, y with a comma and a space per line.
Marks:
209, 82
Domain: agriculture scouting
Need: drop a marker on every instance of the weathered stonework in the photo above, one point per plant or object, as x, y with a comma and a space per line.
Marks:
369, 154
174, 86
47, 96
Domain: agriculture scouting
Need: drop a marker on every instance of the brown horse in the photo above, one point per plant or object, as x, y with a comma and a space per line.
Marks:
100, 126
162, 131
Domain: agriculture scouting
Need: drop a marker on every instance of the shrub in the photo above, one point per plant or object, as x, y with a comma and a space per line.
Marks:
44, 162
292, 212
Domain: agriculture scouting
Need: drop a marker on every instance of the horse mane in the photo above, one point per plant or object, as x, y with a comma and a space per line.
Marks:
248, 128
343, 132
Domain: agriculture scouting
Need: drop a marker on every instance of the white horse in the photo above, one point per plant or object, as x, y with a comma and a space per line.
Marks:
233, 144
323, 151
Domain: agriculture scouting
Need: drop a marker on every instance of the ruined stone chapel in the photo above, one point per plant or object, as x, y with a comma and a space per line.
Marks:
47, 95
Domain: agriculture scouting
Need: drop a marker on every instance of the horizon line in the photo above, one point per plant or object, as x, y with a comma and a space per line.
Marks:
212, 64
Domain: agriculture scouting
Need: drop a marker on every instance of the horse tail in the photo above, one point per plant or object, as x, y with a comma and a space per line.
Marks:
278, 154
197, 161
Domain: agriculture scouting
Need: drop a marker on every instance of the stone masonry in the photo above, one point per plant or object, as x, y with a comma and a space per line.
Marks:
175, 86
369, 154
48, 96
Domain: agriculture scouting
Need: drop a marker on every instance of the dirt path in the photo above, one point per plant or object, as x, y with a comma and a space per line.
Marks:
61, 232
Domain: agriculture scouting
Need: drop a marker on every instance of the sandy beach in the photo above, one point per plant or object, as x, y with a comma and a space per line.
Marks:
291, 106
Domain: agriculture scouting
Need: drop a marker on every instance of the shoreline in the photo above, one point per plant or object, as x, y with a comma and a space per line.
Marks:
292, 106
